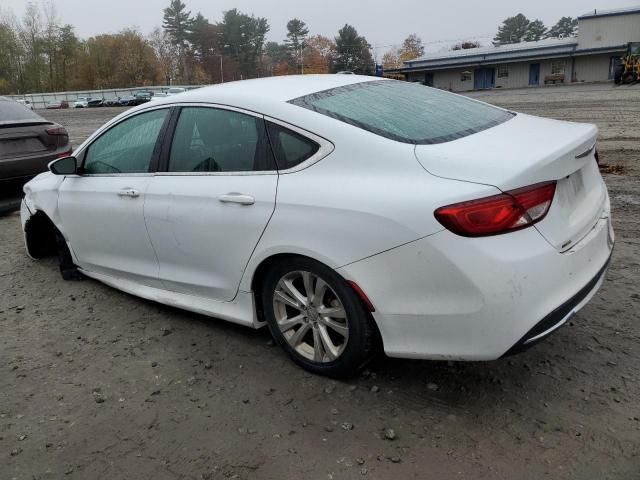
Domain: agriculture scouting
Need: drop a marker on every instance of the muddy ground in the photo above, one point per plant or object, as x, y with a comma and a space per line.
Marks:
97, 384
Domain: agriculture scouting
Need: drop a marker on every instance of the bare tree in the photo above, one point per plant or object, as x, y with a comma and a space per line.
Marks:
50, 38
167, 53
30, 36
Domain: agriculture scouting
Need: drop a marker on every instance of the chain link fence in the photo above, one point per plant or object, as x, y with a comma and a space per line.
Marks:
40, 100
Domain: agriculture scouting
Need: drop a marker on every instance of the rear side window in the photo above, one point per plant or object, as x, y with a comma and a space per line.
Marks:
290, 148
405, 112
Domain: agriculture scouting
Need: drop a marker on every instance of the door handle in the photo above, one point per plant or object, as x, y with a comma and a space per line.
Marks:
129, 192
237, 198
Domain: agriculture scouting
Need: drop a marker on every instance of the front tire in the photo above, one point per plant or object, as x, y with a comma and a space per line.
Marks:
317, 318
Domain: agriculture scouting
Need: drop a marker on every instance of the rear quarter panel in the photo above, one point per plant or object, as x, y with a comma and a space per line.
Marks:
368, 196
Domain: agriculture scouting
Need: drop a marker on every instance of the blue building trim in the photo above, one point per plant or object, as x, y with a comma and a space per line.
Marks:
589, 16
569, 48
528, 55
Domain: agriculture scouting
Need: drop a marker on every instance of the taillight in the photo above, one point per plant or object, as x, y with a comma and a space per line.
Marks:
503, 213
54, 131
65, 154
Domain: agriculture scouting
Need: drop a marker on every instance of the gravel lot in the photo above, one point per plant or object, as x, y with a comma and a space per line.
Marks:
99, 384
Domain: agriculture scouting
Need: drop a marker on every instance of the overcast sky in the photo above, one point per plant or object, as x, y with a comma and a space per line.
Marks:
382, 22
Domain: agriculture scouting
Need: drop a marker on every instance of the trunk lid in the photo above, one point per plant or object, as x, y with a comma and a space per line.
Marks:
26, 149
21, 141
524, 151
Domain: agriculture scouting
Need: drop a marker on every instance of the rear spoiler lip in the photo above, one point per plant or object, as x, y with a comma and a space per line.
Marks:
24, 123
587, 152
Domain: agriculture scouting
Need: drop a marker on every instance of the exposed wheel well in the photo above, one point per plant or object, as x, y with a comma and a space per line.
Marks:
40, 236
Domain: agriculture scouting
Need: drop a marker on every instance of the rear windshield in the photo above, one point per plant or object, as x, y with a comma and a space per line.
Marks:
13, 112
405, 112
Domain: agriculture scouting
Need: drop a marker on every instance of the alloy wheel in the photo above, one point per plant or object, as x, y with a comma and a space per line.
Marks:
310, 316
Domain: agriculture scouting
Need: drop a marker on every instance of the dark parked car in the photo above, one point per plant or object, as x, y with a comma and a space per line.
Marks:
112, 102
141, 97
28, 143
126, 101
96, 102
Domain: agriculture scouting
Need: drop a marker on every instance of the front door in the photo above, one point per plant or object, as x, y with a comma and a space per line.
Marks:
207, 212
484, 78
534, 74
428, 79
102, 209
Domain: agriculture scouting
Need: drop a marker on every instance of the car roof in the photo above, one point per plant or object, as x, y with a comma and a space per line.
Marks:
15, 113
267, 96
258, 94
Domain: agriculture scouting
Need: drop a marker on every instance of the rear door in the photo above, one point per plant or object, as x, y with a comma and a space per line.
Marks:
207, 212
102, 210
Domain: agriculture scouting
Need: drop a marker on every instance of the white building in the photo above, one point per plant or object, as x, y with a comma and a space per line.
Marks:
602, 39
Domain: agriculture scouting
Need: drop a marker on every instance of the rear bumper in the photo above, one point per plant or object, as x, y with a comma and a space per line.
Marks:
20, 170
560, 315
8, 205
454, 298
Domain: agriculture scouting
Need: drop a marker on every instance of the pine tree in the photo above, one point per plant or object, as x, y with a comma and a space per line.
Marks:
177, 22
297, 31
353, 52
536, 31
566, 27
512, 30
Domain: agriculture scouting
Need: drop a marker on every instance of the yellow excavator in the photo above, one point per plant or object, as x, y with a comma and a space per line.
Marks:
628, 71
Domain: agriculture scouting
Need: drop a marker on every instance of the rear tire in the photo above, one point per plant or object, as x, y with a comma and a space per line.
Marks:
317, 318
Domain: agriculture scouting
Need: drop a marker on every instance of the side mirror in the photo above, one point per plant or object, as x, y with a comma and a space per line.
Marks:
64, 166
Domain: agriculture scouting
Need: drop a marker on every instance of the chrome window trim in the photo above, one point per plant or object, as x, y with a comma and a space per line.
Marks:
146, 174
326, 147
215, 174
219, 106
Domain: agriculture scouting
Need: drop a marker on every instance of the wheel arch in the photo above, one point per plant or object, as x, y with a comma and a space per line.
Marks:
263, 266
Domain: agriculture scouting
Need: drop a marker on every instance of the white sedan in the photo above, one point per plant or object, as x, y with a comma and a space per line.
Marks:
82, 102
344, 212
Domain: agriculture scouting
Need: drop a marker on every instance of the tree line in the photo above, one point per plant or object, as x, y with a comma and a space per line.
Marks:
41, 53
519, 28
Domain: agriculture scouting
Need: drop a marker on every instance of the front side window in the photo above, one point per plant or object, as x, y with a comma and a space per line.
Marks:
290, 148
127, 147
405, 112
217, 140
